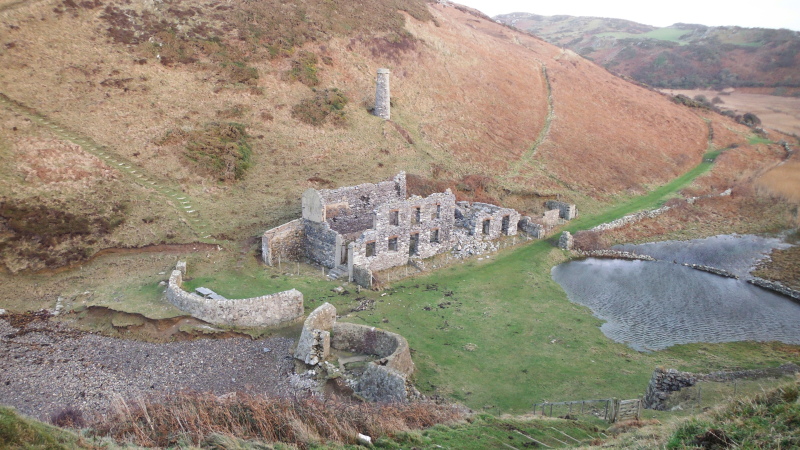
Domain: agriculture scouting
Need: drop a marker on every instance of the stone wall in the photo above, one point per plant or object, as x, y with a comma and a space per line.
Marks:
351, 209
321, 243
283, 243
384, 380
361, 276
429, 220
631, 218
314, 344
566, 241
487, 221
531, 228
662, 383
776, 287
566, 211
551, 218
265, 311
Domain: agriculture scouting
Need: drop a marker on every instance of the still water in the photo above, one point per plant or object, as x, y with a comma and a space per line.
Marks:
653, 305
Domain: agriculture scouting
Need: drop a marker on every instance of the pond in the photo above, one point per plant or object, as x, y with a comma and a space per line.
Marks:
651, 305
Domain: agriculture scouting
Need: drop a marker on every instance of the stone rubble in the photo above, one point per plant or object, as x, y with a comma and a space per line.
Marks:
466, 246
47, 366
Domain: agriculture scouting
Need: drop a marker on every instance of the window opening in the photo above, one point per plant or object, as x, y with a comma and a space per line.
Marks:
370, 248
413, 245
393, 244
486, 224
434, 236
394, 217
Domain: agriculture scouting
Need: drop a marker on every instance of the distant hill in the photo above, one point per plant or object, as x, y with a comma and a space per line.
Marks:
681, 56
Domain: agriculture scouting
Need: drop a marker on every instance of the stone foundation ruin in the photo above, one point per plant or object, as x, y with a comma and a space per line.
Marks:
360, 230
386, 376
265, 311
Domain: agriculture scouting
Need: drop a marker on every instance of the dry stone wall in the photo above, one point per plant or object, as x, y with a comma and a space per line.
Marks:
662, 383
265, 311
286, 242
531, 228
387, 378
321, 243
566, 241
315, 340
566, 211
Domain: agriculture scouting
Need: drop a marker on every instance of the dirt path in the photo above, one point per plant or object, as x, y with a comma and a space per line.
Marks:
46, 366
530, 153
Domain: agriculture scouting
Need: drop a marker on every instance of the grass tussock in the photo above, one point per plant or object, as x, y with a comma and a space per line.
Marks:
190, 418
768, 420
220, 150
326, 105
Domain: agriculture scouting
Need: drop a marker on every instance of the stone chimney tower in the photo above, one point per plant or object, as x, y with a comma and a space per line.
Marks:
382, 98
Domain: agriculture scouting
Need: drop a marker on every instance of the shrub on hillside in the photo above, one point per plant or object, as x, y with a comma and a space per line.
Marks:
326, 105
68, 417
304, 69
589, 241
220, 149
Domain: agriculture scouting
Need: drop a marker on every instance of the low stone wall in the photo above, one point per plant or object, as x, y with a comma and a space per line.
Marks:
384, 380
362, 276
615, 254
283, 243
662, 383
566, 241
631, 218
712, 270
771, 372
566, 211
531, 228
775, 287
265, 311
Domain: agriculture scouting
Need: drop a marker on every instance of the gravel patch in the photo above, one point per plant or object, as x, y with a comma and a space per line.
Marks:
46, 366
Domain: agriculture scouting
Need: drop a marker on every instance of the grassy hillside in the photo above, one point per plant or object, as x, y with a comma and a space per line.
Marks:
194, 120
681, 56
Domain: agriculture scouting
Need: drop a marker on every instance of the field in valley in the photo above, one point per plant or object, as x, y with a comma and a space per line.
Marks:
778, 113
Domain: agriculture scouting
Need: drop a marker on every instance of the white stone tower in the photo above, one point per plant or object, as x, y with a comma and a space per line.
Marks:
382, 96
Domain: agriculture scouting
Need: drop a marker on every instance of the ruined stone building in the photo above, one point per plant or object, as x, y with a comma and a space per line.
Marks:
367, 228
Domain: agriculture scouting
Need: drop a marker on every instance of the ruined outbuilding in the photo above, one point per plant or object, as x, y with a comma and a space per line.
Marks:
359, 230
386, 377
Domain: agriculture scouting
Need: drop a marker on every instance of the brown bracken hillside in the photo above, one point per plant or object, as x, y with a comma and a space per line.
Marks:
239, 106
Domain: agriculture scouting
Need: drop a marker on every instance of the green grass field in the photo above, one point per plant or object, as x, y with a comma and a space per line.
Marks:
662, 34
